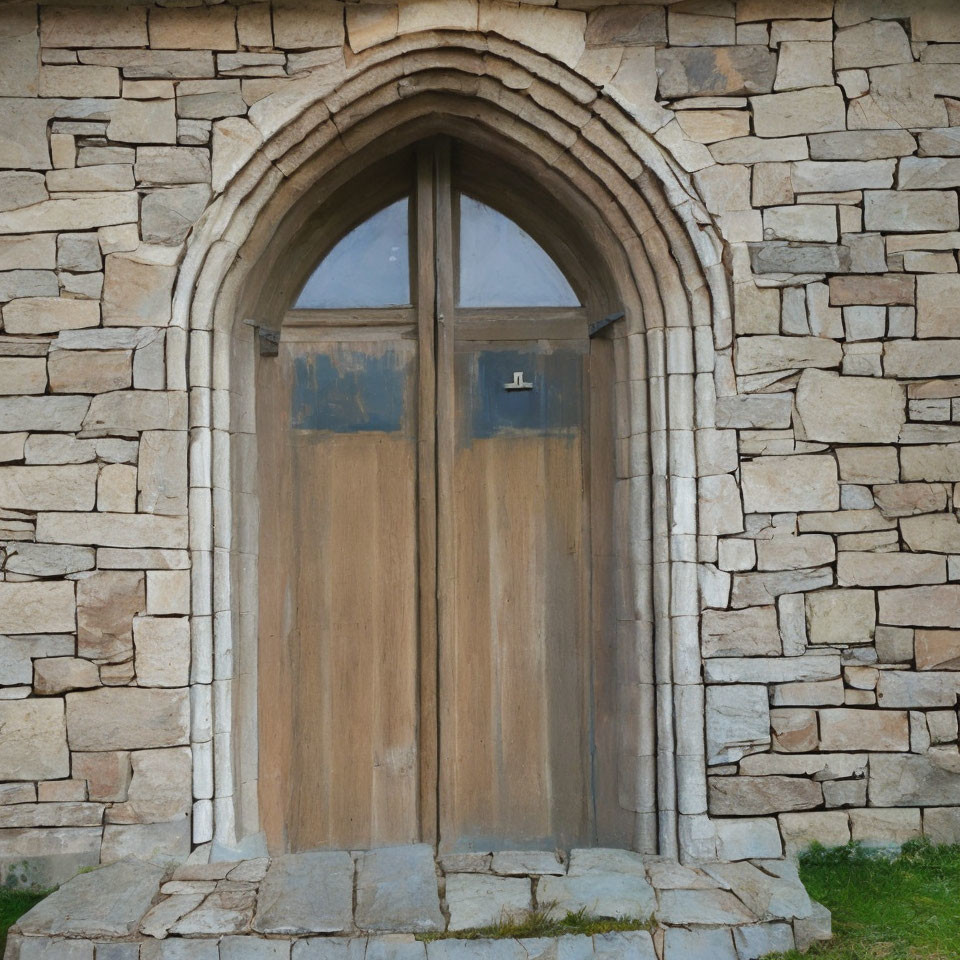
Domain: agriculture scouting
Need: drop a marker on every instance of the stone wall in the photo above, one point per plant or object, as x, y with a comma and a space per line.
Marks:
818, 137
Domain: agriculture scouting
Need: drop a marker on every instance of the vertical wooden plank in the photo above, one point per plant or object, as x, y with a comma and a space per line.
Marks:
426, 299
445, 440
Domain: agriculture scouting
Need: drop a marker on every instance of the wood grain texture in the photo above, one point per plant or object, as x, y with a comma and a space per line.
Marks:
339, 699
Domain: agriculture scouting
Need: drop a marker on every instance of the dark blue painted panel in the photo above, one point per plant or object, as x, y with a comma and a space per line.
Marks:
553, 406
348, 392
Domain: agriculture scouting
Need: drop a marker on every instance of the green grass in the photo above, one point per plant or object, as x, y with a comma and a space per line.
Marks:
538, 923
13, 905
902, 906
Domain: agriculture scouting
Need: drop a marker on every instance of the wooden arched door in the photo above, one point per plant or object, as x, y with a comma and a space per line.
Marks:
435, 476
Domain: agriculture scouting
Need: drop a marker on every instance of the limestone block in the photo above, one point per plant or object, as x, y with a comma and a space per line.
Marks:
19, 52
207, 27
113, 530
800, 830
908, 780
117, 488
107, 602
65, 81
904, 688
845, 729
938, 143
162, 650
89, 371
708, 126
477, 900
849, 409
937, 649
48, 560
37, 607
742, 839
137, 292
130, 411
154, 64
841, 617
298, 27
923, 533
715, 71
370, 24
915, 210
383, 905
34, 251
750, 589
159, 790
522, 863
874, 44
101, 177
34, 742
23, 136
172, 165
718, 505
862, 145
20, 375
768, 353
49, 487
169, 215
938, 309
213, 99
306, 893
234, 142
793, 730
910, 358
107, 775
942, 824
794, 553
49, 314
738, 721
75, 213
873, 826
53, 675
933, 606
776, 484
127, 718
889, 569
143, 121
916, 173
814, 222
740, 633
19, 188
813, 110
751, 10
15, 284
771, 669
625, 26
84, 26
753, 796
78, 252
887, 290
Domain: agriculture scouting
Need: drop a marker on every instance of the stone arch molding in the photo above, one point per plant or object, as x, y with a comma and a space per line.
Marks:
674, 292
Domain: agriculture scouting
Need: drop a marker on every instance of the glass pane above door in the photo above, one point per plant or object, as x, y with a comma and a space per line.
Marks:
369, 267
501, 265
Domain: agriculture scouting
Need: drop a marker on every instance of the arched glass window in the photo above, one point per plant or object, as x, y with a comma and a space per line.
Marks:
369, 267
501, 265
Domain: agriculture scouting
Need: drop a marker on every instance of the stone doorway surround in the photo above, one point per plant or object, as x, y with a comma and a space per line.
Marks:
337, 905
665, 257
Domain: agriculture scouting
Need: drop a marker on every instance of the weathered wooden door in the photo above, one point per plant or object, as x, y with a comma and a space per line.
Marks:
427, 594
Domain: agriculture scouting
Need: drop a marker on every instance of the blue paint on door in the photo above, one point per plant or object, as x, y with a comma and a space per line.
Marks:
348, 392
552, 406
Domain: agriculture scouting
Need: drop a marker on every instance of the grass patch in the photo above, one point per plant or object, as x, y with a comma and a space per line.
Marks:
538, 923
886, 906
13, 905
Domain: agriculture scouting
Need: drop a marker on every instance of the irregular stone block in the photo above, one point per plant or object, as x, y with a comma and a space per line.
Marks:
776, 484
793, 730
53, 675
753, 589
477, 900
306, 893
912, 358
761, 411
108, 902
296, 27
625, 26
813, 110
168, 216
750, 796
34, 741
37, 607
778, 897
598, 893
715, 71
794, 553
107, 602
758, 940
629, 945
738, 721
143, 121
49, 487
904, 688
206, 28
49, 314
107, 774
698, 944
130, 411
895, 827
933, 606
701, 906
127, 718
896, 210
909, 780
44, 857
740, 633
771, 670
743, 839
889, 569
873, 44
384, 904
523, 863
163, 843
74, 213
841, 617
763, 354
864, 730
113, 530
937, 649
160, 788
942, 824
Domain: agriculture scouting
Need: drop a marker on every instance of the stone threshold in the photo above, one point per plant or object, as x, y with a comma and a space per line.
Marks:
371, 905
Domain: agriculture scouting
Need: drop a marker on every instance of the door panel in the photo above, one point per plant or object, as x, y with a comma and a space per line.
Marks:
338, 594
514, 757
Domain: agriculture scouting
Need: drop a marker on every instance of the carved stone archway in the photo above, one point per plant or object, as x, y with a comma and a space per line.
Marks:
665, 258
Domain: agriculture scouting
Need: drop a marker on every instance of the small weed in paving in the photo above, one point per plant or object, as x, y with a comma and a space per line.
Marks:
886, 906
13, 905
539, 923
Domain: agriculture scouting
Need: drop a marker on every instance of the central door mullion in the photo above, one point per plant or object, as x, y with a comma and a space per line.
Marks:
426, 300
446, 566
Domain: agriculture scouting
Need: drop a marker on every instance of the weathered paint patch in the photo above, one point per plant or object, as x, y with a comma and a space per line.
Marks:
553, 406
348, 391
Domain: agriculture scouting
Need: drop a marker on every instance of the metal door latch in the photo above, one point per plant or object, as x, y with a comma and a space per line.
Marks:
518, 382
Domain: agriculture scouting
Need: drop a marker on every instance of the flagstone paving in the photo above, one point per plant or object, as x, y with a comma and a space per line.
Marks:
370, 905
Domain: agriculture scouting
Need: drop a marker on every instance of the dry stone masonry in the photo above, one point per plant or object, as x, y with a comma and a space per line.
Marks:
818, 141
